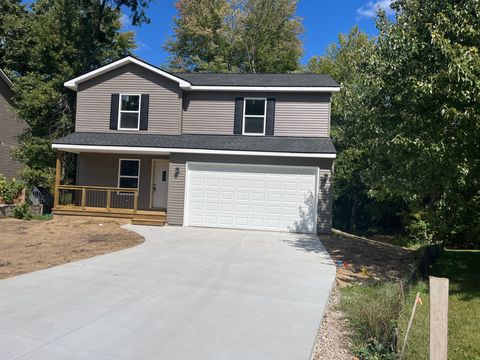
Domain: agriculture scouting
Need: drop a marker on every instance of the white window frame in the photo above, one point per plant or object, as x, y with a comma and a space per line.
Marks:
264, 116
120, 111
128, 176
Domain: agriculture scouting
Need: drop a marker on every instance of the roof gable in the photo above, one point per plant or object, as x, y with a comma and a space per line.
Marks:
224, 82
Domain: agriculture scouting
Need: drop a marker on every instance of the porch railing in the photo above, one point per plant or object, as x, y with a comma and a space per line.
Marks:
97, 198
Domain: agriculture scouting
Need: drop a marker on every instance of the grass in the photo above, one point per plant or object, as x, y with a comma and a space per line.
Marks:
371, 310
42, 217
461, 267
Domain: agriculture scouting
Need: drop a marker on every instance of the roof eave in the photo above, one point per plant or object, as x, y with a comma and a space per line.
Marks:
264, 88
6, 79
161, 150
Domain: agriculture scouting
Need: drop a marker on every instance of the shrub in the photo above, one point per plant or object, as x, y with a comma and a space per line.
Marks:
419, 231
372, 311
3, 183
22, 212
10, 189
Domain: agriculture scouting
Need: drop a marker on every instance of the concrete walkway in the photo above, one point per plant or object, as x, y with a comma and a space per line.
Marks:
186, 293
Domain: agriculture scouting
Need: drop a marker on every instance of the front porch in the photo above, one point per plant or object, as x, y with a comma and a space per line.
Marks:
105, 201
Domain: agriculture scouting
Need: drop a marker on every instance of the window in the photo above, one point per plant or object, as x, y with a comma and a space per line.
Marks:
128, 173
129, 112
254, 114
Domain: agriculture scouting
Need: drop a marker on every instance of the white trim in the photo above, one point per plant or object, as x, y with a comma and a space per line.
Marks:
120, 111
129, 176
185, 85
6, 79
73, 84
264, 116
186, 192
165, 151
264, 88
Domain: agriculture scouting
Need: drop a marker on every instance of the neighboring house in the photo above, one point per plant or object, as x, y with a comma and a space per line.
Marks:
10, 127
248, 151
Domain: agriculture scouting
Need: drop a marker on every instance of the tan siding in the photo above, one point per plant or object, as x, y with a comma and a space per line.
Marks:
102, 170
176, 186
10, 128
302, 115
176, 193
208, 113
295, 114
93, 100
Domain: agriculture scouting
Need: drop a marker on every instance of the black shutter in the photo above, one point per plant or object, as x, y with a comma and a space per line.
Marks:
270, 123
114, 112
238, 119
144, 112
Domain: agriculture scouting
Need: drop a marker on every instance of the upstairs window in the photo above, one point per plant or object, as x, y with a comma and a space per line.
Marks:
254, 116
128, 173
129, 112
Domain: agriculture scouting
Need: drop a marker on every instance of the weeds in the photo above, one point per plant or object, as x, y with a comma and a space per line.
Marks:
372, 311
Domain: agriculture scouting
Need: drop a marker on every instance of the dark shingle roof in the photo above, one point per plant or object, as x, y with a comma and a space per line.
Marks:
209, 142
277, 80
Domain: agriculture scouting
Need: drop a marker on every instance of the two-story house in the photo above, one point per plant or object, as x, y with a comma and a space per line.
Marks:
10, 128
248, 151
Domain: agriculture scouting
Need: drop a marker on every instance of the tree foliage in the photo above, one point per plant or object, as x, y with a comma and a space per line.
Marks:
236, 36
426, 114
348, 62
407, 121
47, 43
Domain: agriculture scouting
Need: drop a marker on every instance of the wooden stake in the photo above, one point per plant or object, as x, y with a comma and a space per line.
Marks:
404, 346
438, 318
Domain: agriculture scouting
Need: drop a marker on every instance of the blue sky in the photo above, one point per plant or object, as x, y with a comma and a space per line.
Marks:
323, 20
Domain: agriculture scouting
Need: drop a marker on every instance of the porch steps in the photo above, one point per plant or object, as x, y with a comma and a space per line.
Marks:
157, 219
148, 222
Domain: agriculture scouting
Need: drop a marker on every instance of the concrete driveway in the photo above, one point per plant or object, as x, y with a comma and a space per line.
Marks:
186, 293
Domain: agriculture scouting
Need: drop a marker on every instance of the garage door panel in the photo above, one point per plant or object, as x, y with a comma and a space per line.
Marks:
251, 197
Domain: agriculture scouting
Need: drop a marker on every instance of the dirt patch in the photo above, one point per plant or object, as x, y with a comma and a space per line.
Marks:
27, 246
357, 260
362, 259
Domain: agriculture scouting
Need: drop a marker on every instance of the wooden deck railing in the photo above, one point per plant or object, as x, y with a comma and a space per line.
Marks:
97, 198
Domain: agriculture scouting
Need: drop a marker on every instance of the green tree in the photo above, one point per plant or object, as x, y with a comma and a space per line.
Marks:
347, 61
424, 122
236, 36
203, 36
58, 40
269, 34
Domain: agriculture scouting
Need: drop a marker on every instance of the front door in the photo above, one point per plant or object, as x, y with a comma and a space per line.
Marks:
160, 184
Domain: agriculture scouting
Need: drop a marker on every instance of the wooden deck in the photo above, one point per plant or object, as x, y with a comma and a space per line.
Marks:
104, 202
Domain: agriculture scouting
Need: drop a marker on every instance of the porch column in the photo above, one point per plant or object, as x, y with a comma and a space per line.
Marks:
58, 175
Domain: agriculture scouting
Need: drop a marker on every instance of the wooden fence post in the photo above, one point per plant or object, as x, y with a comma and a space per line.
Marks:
84, 197
438, 318
109, 198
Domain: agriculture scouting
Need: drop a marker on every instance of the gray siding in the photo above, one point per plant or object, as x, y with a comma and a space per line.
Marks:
176, 192
325, 201
94, 96
176, 188
102, 170
10, 128
295, 114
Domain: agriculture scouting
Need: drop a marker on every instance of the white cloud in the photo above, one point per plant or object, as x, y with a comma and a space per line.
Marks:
124, 20
368, 10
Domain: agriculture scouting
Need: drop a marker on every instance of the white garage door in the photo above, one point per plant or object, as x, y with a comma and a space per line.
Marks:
259, 197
